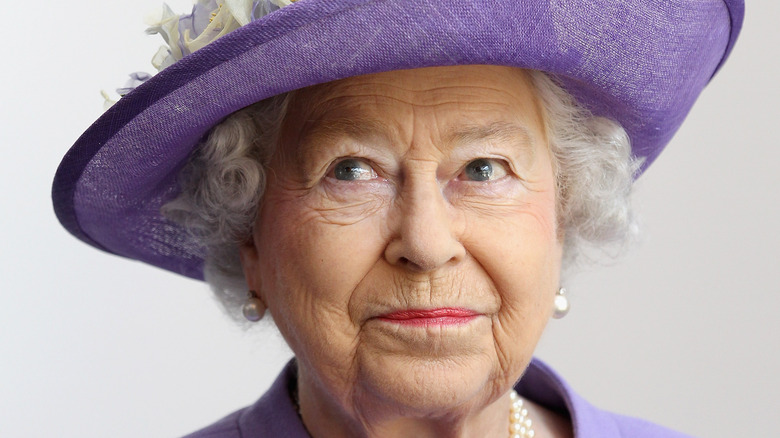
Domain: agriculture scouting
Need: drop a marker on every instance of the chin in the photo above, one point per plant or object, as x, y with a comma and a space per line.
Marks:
429, 386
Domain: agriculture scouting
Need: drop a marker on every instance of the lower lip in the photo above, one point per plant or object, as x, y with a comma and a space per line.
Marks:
430, 317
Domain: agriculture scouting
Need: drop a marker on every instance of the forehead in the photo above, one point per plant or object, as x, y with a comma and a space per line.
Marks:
427, 87
442, 102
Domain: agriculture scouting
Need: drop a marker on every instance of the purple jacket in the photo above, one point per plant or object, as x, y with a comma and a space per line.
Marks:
274, 414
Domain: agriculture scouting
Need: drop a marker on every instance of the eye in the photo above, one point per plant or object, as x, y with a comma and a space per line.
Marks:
352, 169
483, 169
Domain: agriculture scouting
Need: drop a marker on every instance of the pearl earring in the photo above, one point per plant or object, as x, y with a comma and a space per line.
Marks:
561, 304
254, 308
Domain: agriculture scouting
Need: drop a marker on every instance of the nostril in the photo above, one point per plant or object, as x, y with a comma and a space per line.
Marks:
408, 264
423, 263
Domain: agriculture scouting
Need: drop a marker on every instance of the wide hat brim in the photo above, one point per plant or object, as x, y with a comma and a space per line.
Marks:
642, 63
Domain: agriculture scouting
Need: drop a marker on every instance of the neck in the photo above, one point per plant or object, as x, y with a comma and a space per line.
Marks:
374, 419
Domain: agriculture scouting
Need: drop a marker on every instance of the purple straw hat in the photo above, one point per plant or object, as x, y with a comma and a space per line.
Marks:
642, 63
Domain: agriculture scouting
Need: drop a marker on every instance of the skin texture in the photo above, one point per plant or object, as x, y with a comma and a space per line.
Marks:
331, 256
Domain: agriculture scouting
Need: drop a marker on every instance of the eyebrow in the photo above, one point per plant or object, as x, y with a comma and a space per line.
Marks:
362, 127
500, 131
358, 127
316, 139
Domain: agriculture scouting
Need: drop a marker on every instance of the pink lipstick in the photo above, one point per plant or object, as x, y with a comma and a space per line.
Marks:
430, 317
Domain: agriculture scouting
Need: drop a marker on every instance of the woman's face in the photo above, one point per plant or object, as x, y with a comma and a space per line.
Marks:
406, 244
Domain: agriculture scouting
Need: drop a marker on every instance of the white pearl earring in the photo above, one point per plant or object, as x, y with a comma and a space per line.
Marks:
561, 304
254, 308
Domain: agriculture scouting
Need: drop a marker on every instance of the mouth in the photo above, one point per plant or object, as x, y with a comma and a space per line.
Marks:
430, 317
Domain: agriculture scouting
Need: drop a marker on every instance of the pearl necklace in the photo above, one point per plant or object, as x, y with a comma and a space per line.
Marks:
519, 423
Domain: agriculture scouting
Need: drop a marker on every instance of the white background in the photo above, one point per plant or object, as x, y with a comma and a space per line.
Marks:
682, 332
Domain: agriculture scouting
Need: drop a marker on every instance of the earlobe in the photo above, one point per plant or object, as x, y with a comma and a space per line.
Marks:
249, 262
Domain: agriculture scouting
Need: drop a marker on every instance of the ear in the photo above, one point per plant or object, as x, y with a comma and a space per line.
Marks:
250, 262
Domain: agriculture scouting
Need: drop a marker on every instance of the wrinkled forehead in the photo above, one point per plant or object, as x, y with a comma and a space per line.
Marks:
461, 101
430, 86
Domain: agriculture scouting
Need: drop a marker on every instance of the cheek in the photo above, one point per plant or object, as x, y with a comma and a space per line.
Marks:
521, 254
517, 244
311, 266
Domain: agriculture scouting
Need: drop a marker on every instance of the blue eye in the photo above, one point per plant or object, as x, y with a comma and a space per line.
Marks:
353, 170
483, 169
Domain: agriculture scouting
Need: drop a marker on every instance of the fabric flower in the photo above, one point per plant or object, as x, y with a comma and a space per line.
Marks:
184, 34
187, 33
167, 25
136, 79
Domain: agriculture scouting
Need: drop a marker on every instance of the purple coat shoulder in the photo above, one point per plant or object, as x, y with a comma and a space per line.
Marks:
544, 386
274, 414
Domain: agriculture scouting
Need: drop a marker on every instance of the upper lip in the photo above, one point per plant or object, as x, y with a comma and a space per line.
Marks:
441, 312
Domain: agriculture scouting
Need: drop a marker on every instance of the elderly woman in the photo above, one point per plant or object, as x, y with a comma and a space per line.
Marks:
399, 183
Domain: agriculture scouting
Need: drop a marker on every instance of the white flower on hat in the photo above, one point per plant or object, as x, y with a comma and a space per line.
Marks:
167, 25
186, 33
208, 21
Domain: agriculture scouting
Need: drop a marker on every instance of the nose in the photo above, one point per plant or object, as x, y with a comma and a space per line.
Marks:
424, 237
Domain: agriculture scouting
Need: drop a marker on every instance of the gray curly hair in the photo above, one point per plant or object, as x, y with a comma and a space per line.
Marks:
224, 181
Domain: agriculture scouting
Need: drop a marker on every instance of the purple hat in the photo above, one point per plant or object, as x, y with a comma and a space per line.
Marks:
642, 63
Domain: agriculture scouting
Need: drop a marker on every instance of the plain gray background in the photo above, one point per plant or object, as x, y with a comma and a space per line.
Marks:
682, 331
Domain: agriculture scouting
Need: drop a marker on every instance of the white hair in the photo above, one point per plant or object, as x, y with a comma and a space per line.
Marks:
223, 183
595, 171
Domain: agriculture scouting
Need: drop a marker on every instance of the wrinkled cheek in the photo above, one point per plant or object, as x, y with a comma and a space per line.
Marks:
313, 280
311, 270
523, 263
